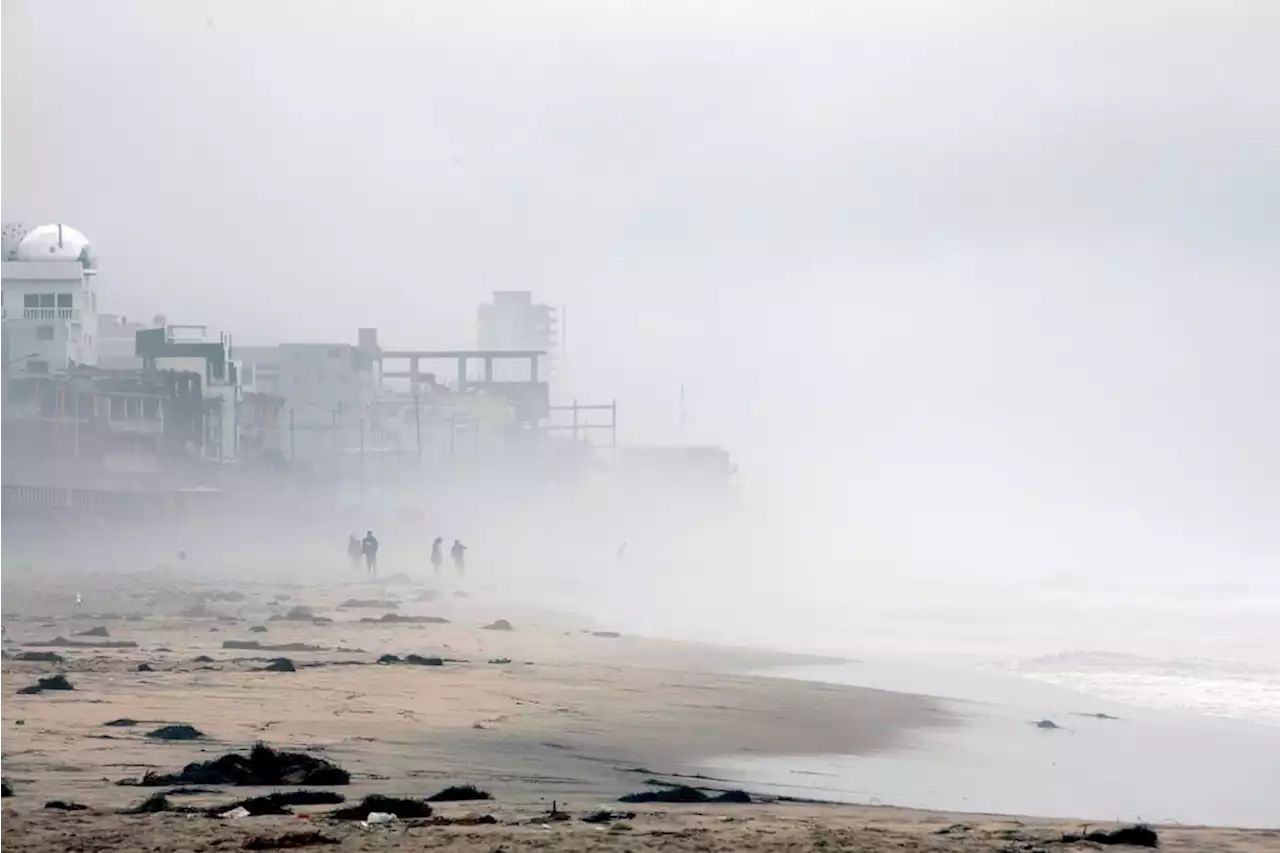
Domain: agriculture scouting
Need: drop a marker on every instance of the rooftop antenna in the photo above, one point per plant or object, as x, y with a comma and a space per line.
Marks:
59, 235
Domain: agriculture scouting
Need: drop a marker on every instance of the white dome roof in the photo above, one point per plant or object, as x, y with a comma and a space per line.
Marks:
54, 243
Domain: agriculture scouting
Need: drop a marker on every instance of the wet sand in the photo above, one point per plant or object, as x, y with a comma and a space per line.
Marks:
548, 711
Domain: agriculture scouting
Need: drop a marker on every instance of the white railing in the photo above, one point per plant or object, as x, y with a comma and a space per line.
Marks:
72, 314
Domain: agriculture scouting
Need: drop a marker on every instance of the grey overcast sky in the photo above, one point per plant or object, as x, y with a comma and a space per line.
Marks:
956, 273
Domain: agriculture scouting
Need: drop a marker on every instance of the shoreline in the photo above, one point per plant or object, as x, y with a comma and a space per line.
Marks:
547, 711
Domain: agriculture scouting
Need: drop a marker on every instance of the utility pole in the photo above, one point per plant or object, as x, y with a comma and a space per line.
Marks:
417, 424
293, 437
362, 461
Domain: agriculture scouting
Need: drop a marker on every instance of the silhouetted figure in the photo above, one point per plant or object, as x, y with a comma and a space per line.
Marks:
354, 549
437, 554
459, 554
369, 547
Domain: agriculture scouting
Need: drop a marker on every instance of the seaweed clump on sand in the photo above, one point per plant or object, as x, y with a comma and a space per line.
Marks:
398, 806
179, 731
278, 803
53, 682
459, 793
262, 766
1134, 836
685, 794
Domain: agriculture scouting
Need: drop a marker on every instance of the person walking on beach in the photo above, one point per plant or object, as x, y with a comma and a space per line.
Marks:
353, 551
437, 554
369, 547
459, 554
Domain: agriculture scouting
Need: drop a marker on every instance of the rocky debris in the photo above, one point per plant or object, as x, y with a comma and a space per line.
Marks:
378, 603
398, 806
204, 658
278, 802
145, 667
53, 682
606, 816
458, 794
262, 766
409, 620
685, 794
6, 788
1134, 836
289, 841
1098, 716
499, 625
500, 660
41, 657
1046, 724
466, 820
297, 613
608, 635
61, 805
258, 629
64, 643
178, 731
254, 645
96, 631
280, 665
188, 792
121, 722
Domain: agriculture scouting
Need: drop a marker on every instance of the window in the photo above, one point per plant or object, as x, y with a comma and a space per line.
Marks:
30, 300
44, 333
47, 300
64, 300
37, 366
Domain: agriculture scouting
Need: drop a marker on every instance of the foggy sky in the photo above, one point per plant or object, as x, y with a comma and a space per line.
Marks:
971, 281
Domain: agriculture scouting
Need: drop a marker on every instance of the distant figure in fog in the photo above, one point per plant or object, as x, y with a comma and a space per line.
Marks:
437, 554
459, 554
79, 601
369, 547
353, 550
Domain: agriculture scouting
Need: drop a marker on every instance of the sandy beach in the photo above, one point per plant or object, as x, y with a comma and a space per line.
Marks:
547, 709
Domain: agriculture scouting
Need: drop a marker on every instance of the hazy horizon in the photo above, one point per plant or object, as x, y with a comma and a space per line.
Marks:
991, 285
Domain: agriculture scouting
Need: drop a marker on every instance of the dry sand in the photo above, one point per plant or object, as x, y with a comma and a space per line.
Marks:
573, 717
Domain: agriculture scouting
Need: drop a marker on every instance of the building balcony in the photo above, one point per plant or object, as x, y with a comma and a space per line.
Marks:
72, 314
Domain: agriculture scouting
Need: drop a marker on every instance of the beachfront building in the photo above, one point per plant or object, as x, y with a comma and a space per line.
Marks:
329, 390
514, 322
192, 349
50, 299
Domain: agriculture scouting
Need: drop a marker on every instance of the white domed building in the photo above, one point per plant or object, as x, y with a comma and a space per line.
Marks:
50, 299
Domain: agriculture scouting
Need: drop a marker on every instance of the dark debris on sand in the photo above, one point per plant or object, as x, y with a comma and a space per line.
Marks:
96, 631
396, 618
685, 794
262, 766
414, 660
156, 803
40, 657
64, 643
6, 788
255, 646
178, 731
289, 841
398, 806
297, 613
1134, 836
458, 794
499, 625
606, 816
121, 722
278, 803
280, 665
53, 682
145, 667
61, 805
377, 603
258, 629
